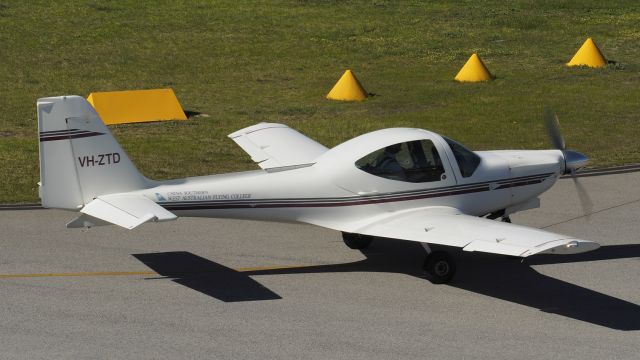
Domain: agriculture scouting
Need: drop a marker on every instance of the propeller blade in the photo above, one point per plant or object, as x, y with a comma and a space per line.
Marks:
553, 129
573, 160
583, 196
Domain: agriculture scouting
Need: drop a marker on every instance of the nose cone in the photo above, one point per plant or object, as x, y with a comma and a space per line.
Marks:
573, 161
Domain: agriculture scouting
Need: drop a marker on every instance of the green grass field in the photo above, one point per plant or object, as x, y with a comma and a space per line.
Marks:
243, 62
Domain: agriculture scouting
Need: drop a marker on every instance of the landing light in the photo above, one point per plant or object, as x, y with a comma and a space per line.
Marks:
571, 244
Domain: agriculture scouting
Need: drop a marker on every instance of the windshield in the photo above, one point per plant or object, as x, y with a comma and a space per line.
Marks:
467, 160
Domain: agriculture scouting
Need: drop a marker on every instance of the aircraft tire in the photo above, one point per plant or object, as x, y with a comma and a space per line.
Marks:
356, 241
439, 267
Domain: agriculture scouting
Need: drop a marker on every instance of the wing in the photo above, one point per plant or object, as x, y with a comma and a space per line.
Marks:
277, 146
448, 226
128, 211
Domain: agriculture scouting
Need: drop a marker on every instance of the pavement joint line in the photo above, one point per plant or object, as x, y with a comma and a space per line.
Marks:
133, 273
591, 213
614, 170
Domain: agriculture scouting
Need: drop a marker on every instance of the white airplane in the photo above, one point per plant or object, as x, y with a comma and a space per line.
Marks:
400, 183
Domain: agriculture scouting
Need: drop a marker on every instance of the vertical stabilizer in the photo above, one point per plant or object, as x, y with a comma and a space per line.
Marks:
79, 158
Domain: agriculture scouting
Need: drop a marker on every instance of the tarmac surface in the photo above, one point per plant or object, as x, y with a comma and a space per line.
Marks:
227, 289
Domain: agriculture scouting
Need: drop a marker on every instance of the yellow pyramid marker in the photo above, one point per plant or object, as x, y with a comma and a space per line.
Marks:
588, 55
348, 88
473, 71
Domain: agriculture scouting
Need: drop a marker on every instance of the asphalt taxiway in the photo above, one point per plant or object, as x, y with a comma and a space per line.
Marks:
227, 289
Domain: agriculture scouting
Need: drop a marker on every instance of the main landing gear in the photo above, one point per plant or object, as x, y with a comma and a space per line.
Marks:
356, 241
439, 266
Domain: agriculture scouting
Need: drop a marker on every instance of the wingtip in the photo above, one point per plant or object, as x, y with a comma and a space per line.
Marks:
564, 247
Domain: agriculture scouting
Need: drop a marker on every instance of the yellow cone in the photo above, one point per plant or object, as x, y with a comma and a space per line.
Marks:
588, 55
348, 88
473, 71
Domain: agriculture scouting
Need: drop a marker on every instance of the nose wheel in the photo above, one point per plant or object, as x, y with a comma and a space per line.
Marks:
439, 266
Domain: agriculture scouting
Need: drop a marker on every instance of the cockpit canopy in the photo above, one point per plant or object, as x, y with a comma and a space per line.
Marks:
404, 155
413, 161
417, 161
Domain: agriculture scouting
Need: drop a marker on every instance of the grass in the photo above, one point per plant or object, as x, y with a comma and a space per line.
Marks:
245, 62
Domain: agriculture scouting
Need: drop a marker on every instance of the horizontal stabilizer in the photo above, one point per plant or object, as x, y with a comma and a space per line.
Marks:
128, 211
277, 146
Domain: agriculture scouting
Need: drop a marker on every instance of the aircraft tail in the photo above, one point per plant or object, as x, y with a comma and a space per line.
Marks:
79, 158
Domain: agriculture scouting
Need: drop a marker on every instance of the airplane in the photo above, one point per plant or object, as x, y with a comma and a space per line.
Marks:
397, 183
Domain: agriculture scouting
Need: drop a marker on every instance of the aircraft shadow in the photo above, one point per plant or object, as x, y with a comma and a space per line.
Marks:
506, 279
206, 276
511, 280
491, 275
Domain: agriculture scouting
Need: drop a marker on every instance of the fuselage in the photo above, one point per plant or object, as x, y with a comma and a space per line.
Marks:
337, 191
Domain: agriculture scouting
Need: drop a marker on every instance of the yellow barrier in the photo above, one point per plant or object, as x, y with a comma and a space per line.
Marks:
119, 107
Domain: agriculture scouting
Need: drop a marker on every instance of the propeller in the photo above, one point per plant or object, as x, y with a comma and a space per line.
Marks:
553, 129
583, 196
573, 160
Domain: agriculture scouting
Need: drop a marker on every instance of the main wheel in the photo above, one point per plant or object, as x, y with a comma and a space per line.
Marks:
439, 267
356, 241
